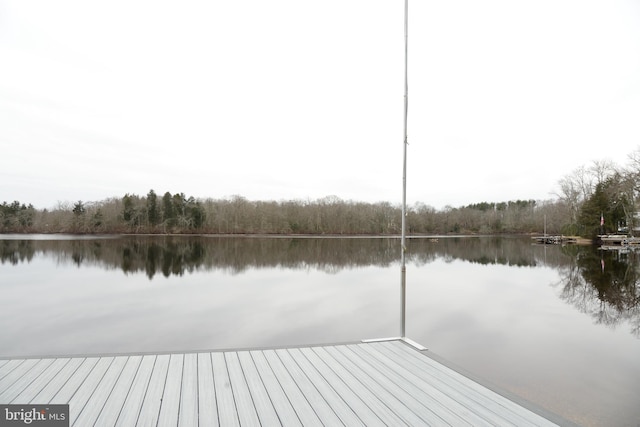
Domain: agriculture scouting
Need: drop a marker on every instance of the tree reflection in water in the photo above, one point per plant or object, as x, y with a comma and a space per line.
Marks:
603, 284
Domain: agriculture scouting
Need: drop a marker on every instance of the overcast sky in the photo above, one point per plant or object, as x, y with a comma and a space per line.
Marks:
290, 99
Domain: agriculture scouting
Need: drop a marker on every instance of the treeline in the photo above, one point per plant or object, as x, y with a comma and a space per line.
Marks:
601, 193
16, 217
178, 214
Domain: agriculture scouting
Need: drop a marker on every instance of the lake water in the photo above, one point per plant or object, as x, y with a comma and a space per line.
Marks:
558, 326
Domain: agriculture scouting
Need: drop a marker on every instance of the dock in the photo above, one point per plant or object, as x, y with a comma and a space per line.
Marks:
618, 240
368, 384
555, 240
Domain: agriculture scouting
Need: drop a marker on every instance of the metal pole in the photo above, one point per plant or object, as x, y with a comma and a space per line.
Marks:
403, 271
404, 142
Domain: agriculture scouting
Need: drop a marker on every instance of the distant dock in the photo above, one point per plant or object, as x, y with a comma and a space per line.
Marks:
618, 240
555, 240
386, 382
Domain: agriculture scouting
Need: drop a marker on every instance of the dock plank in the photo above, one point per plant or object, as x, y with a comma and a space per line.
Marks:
188, 415
244, 402
303, 409
10, 366
373, 383
402, 403
264, 408
227, 412
82, 394
133, 403
352, 399
40, 381
316, 400
120, 391
207, 408
447, 409
69, 386
286, 413
13, 390
16, 373
153, 398
98, 394
343, 411
55, 385
171, 395
506, 409
480, 404
370, 399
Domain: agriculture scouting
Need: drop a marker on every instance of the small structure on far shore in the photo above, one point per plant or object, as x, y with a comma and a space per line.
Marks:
555, 240
618, 240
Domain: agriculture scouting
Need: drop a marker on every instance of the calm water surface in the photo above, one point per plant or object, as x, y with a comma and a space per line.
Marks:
557, 326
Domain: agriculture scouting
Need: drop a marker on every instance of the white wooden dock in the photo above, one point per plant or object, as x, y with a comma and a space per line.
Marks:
368, 384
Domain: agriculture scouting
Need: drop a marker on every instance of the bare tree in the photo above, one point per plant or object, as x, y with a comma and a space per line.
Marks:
572, 193
602, 169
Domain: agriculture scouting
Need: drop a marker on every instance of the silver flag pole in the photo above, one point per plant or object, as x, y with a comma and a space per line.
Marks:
404, 176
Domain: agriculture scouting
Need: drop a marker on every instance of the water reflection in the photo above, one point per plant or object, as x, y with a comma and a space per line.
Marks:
172, 255
604, 285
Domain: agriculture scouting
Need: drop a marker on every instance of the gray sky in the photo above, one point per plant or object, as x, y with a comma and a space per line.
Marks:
290, 99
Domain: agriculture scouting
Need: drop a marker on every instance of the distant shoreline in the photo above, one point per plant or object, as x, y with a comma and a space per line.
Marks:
277, 235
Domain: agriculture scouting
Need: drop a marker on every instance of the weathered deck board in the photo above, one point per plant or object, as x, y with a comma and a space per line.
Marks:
69, 385
479, 397
482, 406
189, 394
98, 397
16, 373
153, 398
57, 382
333, 399
15, 384
397, 399
303, 409
40, 381
207, 408
227, 412
377, 383
309, 390
447, 409
286, 413
133, 402
368, 407
244, 402
115, 401
171, 396
266, 412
